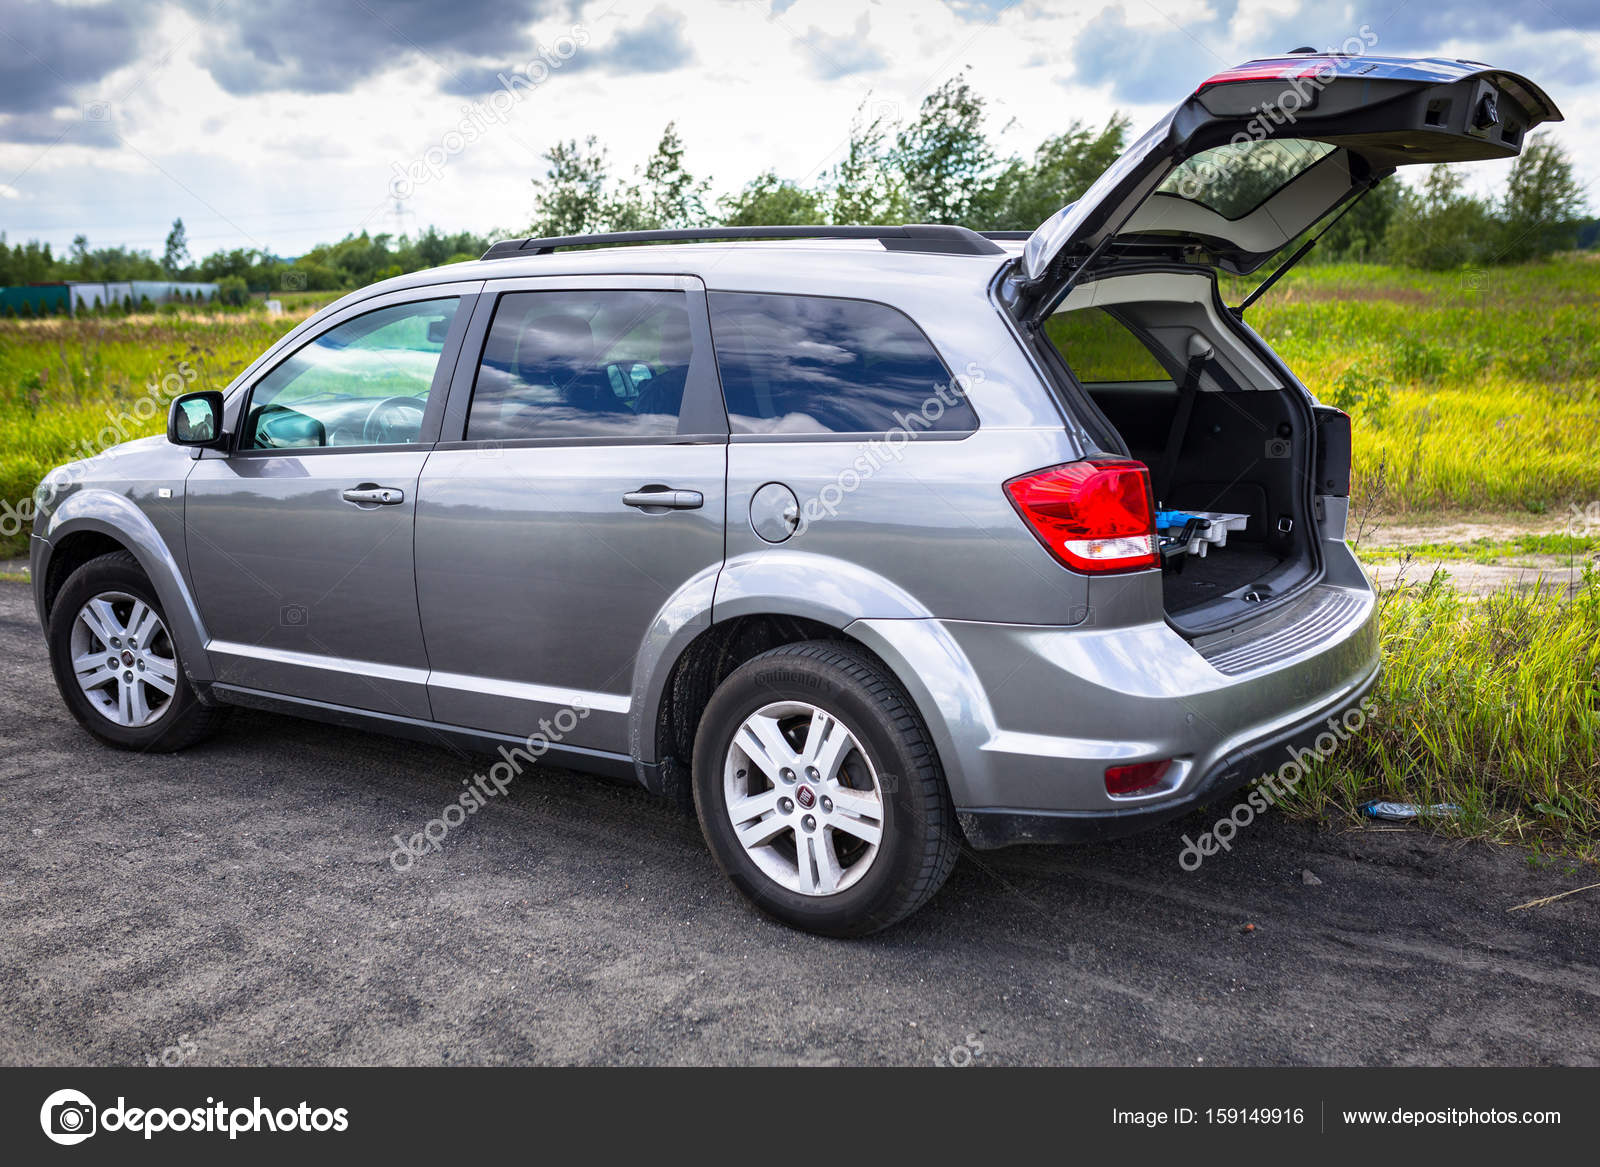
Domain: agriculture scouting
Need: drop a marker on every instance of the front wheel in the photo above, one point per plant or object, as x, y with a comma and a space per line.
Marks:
820, 793
116, 664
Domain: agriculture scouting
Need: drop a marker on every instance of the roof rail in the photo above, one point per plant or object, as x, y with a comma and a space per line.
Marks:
1014, 236
925, 237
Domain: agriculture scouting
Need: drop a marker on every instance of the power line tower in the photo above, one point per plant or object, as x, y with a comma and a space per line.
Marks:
402, 219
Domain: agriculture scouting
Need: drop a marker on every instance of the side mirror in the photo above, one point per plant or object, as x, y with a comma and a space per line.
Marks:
195, 419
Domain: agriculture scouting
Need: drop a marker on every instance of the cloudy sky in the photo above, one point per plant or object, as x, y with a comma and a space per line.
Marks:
279, 124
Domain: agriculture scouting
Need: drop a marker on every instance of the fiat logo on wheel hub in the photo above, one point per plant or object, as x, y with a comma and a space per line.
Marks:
805, 797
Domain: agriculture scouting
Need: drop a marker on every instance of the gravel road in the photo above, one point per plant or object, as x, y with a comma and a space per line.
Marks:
236, 905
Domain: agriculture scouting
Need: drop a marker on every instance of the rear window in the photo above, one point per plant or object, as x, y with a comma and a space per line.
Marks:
1235, 179
1099, 348
817, 365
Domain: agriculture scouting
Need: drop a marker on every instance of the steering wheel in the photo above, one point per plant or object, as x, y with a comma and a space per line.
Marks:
392, 416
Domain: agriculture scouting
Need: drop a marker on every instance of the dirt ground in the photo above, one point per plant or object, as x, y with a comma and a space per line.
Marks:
1554, 572
235, 905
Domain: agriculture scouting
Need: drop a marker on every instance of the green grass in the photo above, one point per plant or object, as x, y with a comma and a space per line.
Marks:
1490, 704
1488, 550
70, 388
1466, 390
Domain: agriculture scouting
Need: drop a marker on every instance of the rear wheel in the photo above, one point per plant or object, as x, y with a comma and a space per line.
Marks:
819, 792
116, 664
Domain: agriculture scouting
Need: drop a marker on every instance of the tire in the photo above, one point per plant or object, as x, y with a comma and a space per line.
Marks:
110, 709
803, 852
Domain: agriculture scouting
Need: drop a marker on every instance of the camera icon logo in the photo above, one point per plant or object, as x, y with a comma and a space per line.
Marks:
1279, 448
68, 1117
293, 281
97, 111
294, 616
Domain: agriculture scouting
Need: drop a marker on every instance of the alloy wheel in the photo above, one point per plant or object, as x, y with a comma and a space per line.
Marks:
123, 659
805, 801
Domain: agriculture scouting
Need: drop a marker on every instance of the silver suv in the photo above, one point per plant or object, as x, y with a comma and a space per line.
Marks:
864, 541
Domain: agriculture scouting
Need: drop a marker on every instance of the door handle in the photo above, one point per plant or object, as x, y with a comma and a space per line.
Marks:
368, 494
664, 498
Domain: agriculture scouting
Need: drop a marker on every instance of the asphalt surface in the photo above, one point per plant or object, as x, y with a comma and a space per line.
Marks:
236, 905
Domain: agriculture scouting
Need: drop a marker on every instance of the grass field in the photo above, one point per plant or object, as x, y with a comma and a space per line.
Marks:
71, 387
1486, 704
1467, 390
1475, 391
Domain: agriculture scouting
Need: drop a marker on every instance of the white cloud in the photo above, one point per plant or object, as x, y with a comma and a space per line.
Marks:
284, 169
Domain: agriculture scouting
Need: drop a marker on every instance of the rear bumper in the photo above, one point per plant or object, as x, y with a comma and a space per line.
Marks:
1027, 718
1277, 753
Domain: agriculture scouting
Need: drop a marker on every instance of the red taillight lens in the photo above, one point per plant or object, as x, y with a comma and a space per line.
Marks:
1302, 68
1093, 515
1134, 778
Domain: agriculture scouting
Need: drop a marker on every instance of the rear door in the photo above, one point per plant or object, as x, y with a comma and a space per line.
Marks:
1259, 153
578, 487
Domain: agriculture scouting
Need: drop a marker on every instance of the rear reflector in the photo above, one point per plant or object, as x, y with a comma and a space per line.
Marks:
1093, 515
1134, 778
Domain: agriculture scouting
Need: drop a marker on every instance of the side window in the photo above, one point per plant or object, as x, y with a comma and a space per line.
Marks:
814, 365
582, 365
1099, 348
362, 383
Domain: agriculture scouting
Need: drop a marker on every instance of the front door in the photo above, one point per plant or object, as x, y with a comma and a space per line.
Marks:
585, 491
300, 539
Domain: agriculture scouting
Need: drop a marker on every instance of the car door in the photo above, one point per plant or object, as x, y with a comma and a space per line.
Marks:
299, 536
579, 488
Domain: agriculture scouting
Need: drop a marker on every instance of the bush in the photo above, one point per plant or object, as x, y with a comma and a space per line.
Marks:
233, 291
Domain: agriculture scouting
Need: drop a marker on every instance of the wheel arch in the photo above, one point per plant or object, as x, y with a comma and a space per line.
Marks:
91, 523
768, 600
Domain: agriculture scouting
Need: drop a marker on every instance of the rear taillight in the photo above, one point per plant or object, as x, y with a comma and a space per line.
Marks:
1093, 515
1134, 778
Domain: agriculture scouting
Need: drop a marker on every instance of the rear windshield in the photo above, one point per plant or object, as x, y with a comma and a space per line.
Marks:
1235, 179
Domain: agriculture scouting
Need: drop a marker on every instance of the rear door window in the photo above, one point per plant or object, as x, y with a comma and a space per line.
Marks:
819, 365
582, 364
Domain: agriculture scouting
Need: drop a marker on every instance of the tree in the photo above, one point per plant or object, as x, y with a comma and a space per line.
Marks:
945, 158
26, 263
1541, 211
865, 187
667, 195
1026, 194
175, 261
233, 291
570, 198
768, 200
78, 256
1438, 225
1359, 233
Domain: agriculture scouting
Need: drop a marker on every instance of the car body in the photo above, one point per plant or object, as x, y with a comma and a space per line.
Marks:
606, 498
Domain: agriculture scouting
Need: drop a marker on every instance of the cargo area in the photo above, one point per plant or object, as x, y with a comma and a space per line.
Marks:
1168, 377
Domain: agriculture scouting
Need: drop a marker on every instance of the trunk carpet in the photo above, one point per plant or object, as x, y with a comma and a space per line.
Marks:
1224, 569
